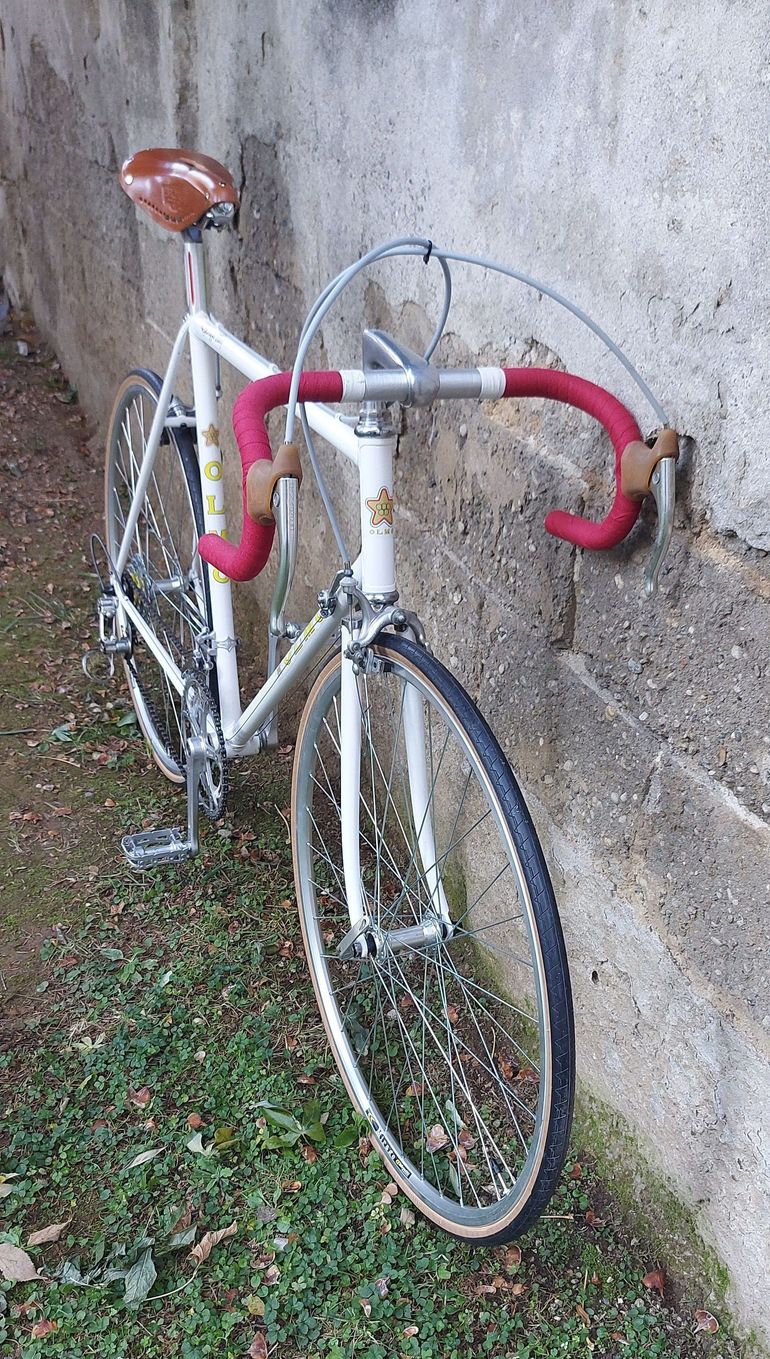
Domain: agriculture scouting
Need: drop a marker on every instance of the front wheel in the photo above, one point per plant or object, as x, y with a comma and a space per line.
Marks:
450, 1016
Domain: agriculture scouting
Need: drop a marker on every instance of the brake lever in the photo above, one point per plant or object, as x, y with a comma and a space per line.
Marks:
645, 469
663, 487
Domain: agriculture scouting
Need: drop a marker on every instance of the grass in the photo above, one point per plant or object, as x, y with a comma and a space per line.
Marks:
172, 1014
181, 1006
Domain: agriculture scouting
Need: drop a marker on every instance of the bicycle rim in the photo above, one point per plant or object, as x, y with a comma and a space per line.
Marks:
164, 576
458, 1050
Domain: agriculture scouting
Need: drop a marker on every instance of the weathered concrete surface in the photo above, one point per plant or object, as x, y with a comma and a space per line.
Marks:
617, 151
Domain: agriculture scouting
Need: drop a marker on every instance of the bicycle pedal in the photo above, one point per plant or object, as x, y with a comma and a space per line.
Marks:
147, 849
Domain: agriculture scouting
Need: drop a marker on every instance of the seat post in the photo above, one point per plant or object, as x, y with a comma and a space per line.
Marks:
195, 270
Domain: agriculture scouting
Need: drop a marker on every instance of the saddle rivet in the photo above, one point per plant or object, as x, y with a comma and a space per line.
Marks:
128, 179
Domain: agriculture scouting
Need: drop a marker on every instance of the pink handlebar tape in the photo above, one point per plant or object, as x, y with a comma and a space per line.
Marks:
622, 429
245, 560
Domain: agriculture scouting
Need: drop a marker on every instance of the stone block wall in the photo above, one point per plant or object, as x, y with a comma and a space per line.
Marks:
616, 151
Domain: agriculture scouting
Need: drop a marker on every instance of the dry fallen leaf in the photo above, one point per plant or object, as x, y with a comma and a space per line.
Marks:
47, 1234
704, 1321
309, 1154
207, 1243
182, 1222
141, 1098
27, 1309
382, 1285
194, 1121
366, 1306
291, 1186
16, 1265
577, 1171
582, 1313
406, 1217
144, 1157
272, 1275
364, 1149
437, 1138
512, 1257
656, 1280
410, 1331
417, 1088
43, 1327
258, 1347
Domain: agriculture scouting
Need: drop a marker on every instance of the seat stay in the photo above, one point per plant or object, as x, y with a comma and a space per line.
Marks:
151, 450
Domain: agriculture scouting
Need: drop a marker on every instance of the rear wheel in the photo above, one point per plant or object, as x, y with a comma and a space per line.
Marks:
164, 576
450, 1016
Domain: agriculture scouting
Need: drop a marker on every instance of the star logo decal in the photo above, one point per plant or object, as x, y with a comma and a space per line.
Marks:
211, 436
381, 508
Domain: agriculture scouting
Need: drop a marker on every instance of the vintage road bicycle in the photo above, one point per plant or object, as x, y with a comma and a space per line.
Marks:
428, 916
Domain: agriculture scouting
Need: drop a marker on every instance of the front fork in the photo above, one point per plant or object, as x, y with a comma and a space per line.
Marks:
376, 608
367, 937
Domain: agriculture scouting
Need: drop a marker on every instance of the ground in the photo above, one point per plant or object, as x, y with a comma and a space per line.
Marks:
148, 1020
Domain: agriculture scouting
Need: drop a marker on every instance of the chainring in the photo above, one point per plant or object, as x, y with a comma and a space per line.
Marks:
200, 717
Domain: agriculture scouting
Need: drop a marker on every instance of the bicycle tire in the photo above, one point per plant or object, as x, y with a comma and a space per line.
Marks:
485, 1086
159, 551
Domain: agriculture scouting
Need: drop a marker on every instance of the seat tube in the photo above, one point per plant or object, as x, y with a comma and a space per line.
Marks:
204, 375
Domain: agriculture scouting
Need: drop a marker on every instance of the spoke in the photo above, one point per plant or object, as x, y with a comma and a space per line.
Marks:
458, 922
415, 1014
490, 1070
177, 618
428, 1014
423, 1073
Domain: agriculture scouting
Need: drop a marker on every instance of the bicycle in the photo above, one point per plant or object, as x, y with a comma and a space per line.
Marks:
428, 916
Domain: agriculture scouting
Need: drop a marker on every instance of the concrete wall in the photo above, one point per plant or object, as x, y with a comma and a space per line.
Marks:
619, 152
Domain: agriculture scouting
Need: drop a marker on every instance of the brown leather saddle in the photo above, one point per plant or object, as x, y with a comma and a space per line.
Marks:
176, 187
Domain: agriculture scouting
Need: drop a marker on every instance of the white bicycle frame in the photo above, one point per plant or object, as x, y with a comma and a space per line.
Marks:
373, 573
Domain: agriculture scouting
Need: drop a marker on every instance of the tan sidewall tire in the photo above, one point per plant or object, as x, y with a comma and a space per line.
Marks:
469, 1234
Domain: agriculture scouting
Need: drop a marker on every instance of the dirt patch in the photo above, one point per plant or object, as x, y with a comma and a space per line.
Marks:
56, 728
